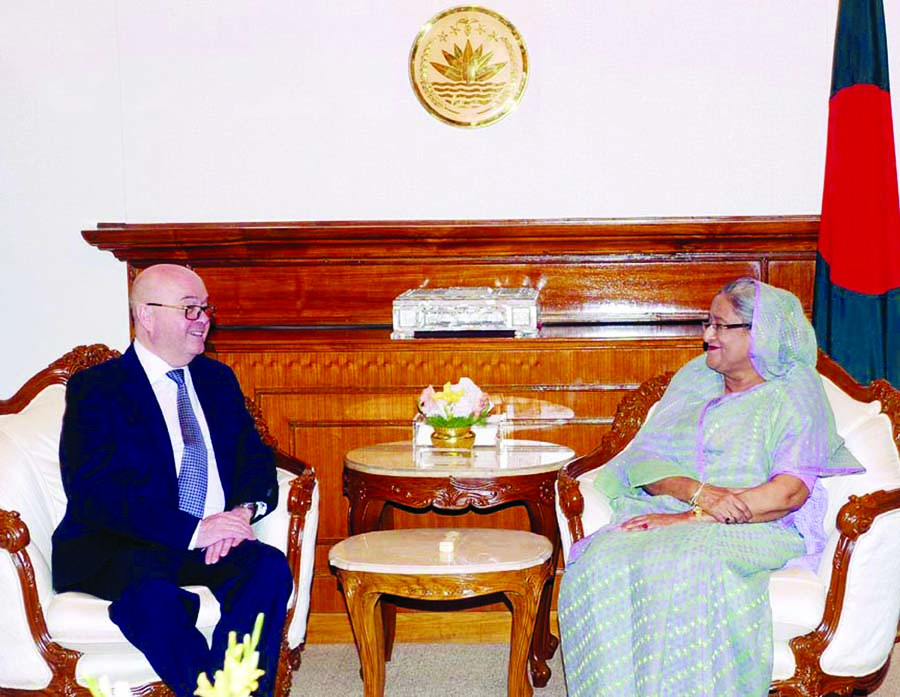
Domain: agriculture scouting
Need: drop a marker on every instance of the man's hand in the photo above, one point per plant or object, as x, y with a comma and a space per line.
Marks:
220, 532
219, 549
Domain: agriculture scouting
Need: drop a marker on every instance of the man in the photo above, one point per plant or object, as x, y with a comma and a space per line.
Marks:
164, 471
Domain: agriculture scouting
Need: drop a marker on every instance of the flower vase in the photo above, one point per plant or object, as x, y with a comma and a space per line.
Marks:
453, 438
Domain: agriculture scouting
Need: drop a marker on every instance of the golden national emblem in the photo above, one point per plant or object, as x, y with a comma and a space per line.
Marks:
468, 66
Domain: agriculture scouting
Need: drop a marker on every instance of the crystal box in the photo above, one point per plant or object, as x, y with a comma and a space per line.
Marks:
448, 311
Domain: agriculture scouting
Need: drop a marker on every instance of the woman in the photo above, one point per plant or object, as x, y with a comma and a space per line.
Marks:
716, 491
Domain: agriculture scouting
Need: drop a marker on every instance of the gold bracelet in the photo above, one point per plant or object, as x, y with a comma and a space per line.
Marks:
696, 497
698, 512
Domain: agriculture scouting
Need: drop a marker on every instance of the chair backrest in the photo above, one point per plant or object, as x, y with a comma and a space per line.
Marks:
868, 419
868, 433
30, 423
30, 481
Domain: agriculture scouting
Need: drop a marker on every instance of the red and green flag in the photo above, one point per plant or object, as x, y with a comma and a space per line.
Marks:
856, 308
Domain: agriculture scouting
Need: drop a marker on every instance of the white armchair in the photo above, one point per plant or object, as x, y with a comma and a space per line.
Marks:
834, 630
50, 642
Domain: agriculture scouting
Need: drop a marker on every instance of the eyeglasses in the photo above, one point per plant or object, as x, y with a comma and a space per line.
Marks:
191, 312
718, 326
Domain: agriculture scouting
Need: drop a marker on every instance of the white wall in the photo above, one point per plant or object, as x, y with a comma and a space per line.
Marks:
135, 111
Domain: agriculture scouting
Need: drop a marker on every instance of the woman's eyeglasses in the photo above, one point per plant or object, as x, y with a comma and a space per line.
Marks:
719, 326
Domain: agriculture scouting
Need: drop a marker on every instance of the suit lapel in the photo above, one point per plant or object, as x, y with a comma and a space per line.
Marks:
146, 405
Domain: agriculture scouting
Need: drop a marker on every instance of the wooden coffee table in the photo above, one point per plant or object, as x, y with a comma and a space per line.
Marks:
521, 472
442, 564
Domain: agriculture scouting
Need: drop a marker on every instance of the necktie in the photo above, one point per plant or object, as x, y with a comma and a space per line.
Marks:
193, 473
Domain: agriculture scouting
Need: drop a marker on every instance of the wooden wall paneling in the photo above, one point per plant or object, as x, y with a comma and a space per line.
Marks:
795, 275
571, 290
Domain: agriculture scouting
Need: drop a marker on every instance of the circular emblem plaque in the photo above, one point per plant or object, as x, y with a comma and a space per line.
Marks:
468, 66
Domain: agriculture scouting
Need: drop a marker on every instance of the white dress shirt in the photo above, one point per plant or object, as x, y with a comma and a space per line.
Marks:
166, 392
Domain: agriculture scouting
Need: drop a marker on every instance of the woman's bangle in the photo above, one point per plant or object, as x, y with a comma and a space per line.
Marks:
696, 497
698, 512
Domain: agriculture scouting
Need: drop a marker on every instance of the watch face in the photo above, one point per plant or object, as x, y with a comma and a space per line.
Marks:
468, 66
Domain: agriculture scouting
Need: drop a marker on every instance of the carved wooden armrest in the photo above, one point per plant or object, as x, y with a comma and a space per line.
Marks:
630, 416
569, 492
14, 538
853, 520
299, 503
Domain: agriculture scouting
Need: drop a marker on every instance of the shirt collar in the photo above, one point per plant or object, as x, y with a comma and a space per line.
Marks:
154, 366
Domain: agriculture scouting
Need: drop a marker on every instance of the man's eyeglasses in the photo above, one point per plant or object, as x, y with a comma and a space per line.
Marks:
191, 312
719, 326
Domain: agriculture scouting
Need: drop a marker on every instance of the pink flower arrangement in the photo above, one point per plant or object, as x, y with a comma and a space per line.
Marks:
455, 406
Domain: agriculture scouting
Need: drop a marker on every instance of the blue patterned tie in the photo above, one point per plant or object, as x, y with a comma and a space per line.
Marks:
193, 473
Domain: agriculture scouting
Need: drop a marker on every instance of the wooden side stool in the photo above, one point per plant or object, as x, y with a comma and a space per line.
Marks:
441, 564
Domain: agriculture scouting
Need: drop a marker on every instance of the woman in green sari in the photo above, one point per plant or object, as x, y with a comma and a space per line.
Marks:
717, 490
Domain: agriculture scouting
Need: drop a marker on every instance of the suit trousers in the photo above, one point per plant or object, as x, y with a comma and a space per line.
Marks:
158, 616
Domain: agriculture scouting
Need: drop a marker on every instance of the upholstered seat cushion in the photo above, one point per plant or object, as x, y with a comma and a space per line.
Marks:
81, 621
797, 597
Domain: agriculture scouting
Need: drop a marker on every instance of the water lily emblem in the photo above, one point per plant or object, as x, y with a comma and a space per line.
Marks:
468, 65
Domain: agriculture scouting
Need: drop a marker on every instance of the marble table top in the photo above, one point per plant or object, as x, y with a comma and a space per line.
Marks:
440, 551
505, 458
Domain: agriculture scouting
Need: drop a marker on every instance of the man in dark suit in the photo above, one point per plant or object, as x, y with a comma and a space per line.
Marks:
164, 472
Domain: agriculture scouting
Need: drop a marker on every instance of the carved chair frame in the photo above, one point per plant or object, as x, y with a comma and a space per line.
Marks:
14, 538
854, 519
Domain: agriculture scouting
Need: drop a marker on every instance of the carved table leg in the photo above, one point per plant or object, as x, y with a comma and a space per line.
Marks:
365, 618
365, 515
543, 645
524, 609
388, 610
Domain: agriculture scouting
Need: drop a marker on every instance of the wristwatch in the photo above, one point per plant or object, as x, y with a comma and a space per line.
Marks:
250, 507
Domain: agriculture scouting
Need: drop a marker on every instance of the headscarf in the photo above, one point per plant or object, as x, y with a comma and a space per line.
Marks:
780, 336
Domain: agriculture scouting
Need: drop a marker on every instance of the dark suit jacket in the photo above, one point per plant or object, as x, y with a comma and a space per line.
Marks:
118, 469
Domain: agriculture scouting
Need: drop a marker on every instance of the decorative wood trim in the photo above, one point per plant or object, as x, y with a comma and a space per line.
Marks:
260, 243
57, 373
854, 519
299, 503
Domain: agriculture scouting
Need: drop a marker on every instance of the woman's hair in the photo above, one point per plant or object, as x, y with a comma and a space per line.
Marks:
742, 296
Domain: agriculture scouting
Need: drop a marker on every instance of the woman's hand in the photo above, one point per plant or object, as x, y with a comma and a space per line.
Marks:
724, 504
655, 520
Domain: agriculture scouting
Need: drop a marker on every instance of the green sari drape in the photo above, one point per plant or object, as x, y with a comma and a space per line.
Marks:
683, 609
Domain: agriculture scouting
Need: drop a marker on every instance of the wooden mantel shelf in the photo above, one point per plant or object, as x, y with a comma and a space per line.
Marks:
410, 241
